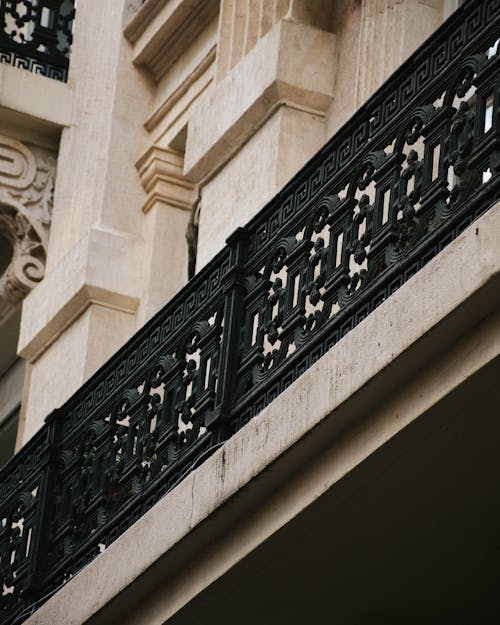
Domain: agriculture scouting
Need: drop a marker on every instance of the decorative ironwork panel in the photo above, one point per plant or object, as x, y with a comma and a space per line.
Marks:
360, 220
37, 35
138, 445
23, 496
144, 421
407, 174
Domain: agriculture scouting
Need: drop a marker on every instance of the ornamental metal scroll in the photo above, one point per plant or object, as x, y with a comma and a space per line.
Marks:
37, 35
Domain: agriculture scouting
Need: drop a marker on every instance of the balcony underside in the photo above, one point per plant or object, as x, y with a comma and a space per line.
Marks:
409, 536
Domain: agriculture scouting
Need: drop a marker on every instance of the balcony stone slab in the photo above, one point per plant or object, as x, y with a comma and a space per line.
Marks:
36, 105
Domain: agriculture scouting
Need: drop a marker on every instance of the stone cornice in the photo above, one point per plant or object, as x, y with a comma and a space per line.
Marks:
161, 173
162, 29
169, 103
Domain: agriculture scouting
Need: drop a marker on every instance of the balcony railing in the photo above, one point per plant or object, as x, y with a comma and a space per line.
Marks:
403, 178
36, 35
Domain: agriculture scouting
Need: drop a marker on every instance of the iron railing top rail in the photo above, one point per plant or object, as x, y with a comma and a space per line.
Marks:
410, 170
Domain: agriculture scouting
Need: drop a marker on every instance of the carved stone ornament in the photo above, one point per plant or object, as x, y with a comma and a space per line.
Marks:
26, 197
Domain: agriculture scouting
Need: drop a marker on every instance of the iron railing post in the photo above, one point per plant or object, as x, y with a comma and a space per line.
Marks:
41, 535
233, 291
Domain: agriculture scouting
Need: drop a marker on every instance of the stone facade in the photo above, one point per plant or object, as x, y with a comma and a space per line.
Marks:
199, 114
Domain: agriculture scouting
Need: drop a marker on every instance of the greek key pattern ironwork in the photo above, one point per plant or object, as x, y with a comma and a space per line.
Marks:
36, 35
407, 174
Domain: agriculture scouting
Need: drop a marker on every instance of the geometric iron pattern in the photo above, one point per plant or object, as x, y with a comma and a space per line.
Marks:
36, 35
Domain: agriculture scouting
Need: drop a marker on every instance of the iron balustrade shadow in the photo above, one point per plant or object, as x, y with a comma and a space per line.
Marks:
37, 35
403, 178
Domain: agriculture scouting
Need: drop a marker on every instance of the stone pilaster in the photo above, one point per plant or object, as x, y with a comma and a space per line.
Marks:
86, 306
168, 207
262, 117
390, 31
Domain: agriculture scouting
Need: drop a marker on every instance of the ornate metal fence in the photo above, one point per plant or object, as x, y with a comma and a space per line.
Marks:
404, 177
36, 35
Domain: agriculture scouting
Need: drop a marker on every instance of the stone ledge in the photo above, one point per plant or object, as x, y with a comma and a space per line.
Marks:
45, 101
227, 115
100, 270
416, 345
190, 88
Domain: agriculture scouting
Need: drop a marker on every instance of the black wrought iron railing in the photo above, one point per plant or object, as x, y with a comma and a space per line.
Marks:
37, 35
405, 176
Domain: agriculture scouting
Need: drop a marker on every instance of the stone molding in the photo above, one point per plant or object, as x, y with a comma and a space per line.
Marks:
161, 173
99, 270
165, 107
162, 29
27, 177
293, 65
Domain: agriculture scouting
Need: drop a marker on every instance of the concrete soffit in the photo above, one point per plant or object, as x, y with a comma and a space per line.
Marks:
412, 352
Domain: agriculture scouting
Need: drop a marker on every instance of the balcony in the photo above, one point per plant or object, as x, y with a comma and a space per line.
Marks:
36, 35
414, 167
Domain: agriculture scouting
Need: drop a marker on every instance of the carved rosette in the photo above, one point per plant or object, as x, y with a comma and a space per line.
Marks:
26, 197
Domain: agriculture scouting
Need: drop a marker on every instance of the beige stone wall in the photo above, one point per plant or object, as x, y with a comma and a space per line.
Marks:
288, 75
254, 128
259, 171
178, 112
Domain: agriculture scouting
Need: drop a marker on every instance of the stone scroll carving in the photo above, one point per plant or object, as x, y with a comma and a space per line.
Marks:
27, 176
